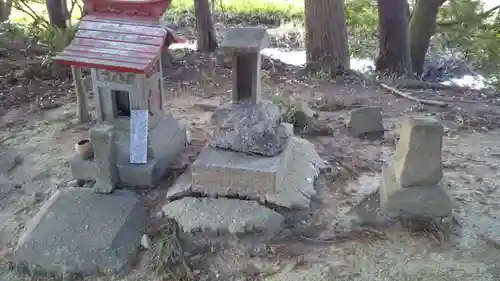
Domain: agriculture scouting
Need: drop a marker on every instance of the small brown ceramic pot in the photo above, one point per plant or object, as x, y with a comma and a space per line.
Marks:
84, 149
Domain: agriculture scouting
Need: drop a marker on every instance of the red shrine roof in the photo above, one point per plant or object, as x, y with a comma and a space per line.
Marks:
114, 44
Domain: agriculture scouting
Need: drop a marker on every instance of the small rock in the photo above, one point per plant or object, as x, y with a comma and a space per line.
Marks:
146, 242
74, 183
206, 106
19, 91
159, 215
304, 116
365, 121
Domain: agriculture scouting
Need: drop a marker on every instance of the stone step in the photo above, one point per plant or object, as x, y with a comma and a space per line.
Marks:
223, 215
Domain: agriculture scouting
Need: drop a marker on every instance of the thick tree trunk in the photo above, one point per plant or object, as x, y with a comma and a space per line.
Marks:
422, 27
326, 34
82, 112
57, 12
394, 52
207, 41
5, 9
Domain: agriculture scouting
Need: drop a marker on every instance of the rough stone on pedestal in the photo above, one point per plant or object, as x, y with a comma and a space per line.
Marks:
103, 142
249, 128
414, 185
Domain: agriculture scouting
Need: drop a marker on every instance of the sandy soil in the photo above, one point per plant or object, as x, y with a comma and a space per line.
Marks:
37, 143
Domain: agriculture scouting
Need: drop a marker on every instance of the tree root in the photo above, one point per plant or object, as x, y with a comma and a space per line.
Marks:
410, 97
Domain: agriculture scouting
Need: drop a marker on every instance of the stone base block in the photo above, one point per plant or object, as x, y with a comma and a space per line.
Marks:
218, 171
295, 190
80, 232
223, 215
82, 169
149, 174
416, 201
136, 175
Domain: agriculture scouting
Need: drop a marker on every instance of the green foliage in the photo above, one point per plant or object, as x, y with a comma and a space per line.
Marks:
362, 22
464, 28
474, 33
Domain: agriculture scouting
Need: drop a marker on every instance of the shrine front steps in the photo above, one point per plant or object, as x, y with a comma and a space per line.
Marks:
173, 140
223, 205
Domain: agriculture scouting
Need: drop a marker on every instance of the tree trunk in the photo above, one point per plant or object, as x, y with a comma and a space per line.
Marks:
422, 27
5, 9
57, 13
207, 41
326, 34
394, 50
82, 112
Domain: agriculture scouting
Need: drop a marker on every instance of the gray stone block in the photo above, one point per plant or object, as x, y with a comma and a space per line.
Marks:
245, 39
417, 201
218, 171
294, 192
159, 138
82, 169
417, 158
80, 232
103, 142
223, 215
364, 121
149, 174
298, 185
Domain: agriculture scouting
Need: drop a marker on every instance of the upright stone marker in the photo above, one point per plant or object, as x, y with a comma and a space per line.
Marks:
245, 44
417, 159
103, 137
414, 185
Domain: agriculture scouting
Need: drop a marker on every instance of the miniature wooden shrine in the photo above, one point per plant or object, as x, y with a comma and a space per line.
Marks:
121, 41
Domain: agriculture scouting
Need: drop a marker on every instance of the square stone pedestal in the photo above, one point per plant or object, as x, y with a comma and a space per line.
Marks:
219, 171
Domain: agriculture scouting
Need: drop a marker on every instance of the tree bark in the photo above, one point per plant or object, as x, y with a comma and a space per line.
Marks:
421, 28
5, 9
82, 112
394, 49
207, 41
57, 13
326, 34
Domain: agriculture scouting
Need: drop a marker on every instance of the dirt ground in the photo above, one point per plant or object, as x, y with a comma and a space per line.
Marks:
343, 238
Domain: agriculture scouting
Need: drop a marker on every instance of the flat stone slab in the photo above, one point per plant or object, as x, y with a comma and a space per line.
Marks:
245, 39
80, 232
295, 190
223, 215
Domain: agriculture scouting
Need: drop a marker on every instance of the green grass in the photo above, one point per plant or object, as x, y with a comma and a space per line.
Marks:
279, 8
